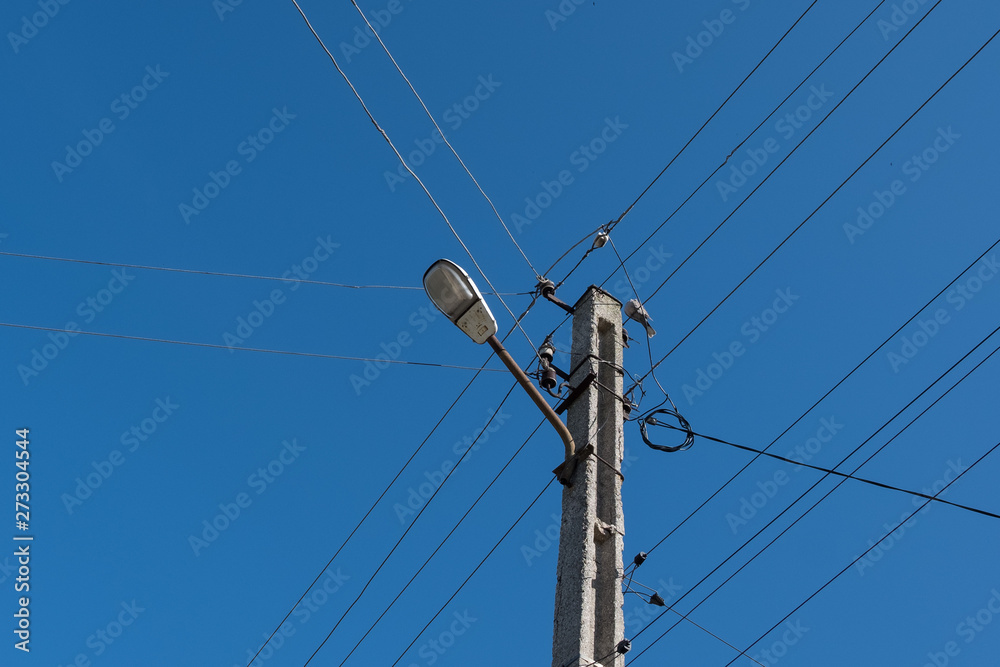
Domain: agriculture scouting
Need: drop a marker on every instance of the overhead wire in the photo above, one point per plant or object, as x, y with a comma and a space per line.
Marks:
714, 114
804, 139
382, 495
406, 532
649, 346
804, 80
829, 471
445, 139
600, 428
415, 519
476, 569
237, 348
832, 194
568, 251
866, 551
423, 187
833, 388
443, 541
304, 281
725, 161
649, 599
364, 518
818, 482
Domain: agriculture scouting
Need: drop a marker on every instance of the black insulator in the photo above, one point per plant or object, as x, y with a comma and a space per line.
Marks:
549, 378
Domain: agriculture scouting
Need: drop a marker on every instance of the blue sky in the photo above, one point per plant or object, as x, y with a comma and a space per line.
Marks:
183, 497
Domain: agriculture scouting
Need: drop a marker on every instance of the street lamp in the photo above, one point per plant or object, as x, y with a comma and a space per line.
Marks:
452, 291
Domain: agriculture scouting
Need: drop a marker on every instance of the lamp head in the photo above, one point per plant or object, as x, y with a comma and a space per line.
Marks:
452, 291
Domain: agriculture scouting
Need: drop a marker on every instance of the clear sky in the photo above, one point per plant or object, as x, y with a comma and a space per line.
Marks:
182, 498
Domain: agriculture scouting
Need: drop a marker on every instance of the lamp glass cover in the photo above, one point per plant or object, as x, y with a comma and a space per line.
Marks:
450, 289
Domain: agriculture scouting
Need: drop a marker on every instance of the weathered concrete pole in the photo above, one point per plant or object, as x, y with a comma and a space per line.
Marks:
588, 610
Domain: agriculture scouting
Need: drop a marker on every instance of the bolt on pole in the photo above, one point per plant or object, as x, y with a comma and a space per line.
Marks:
588, 609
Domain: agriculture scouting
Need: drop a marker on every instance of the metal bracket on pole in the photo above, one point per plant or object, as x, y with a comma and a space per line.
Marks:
575, 393
564, 471
547, 289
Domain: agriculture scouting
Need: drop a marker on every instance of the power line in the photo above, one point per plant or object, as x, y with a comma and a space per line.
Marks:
828, 471
805, 138
405, 532
371, 509
476, 569
851, 564
445, 139
236, 348
649, 346
725, 161
831, 390
714, 113
818, 482
443, 541
832, 194
807, 411
752, 132
304, 281
490, 553
394, 479
423, 187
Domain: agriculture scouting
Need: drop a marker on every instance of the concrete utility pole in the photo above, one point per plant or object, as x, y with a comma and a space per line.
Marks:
588, 613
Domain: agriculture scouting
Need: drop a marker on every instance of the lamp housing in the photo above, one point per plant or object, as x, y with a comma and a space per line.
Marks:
453, 292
